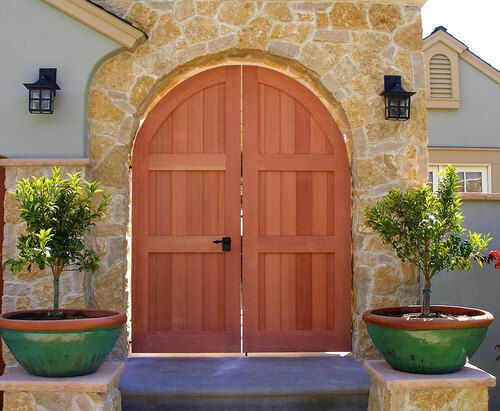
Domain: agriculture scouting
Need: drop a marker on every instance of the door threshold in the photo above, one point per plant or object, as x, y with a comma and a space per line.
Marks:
238, 354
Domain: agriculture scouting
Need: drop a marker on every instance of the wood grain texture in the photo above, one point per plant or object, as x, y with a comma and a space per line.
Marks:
296, 204
196, 167
186, 190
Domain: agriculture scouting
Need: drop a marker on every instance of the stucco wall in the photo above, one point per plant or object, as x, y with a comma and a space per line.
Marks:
478, 287
476, 123
34, 34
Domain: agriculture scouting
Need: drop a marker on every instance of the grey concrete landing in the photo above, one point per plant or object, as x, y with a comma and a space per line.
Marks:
245, 383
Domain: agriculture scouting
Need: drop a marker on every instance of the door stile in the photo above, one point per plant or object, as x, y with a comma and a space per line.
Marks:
233, 206
251, 208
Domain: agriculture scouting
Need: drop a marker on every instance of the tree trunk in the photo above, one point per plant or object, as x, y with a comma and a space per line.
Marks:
57, 274
426, 293
426, 298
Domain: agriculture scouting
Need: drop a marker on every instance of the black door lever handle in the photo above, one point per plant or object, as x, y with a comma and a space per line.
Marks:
226, 243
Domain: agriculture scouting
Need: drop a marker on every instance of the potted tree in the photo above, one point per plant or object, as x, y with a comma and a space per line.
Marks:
425, 229
59, 342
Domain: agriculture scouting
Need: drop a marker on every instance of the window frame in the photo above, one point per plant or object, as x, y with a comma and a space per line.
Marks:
484, 169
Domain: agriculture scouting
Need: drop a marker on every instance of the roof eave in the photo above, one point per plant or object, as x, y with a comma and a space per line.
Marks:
464, 53
102, 21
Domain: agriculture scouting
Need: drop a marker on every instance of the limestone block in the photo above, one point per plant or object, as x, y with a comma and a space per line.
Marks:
11, 209
372, 40
283, 48
385, 17
108, 288
322, 21
256, 33
379, 170
222, 43
94, 392
331, 83
315, 56
296, 32
142, 17
192, 52
114, 74
304, 17
141, 88
199, 29
110, 171
356, 109
392, 390
166, 31
402, 60
184, 9
207, 7
43, 291
277, 10
101, 108
410, 36
99, 146
311, 5
385, 280
331, 35
236, 13
350, 16
18, 401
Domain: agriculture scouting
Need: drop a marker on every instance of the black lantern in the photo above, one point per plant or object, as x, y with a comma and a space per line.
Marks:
397, 100
43, 91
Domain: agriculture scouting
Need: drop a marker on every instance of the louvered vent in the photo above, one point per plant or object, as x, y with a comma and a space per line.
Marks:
440, 72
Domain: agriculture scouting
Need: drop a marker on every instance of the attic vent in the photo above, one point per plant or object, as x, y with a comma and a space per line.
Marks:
440, 77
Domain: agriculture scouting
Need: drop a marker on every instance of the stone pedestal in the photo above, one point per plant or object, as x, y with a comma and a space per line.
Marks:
94, 392
392, 390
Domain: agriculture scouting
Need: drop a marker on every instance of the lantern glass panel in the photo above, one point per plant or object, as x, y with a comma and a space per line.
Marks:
45, 105
35, 105
46, 94
35, 93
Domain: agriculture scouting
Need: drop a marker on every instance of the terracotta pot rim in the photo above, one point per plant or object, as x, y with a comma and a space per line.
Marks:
478, 318
99, 319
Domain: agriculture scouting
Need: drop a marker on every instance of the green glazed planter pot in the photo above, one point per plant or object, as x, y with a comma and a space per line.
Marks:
62, 348
427, 345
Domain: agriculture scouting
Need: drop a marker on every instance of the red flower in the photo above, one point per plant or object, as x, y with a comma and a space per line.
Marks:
494, 254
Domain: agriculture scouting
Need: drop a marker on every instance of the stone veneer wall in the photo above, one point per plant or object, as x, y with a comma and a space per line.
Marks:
80, 401
340, 49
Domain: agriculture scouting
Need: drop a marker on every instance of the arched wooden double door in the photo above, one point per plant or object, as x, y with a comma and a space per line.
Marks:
251, 154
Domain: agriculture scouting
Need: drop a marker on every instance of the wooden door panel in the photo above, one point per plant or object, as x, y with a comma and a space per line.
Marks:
186, 190
296, 201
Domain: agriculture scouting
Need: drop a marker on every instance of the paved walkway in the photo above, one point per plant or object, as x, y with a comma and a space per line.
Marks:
306, 382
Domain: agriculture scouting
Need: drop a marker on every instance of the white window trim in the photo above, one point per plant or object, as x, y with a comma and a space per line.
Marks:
485, 169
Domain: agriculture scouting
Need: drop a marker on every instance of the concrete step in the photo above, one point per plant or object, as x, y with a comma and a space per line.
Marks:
244, 383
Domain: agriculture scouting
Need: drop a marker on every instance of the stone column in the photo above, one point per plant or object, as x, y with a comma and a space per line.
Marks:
94, 392
392, 390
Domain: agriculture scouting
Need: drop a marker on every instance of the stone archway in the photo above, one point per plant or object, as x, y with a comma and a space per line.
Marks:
344, 68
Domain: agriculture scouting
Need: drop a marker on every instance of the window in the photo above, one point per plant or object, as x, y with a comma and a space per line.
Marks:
472, 179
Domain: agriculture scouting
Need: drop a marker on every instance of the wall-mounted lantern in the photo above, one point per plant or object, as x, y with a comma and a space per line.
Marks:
397, 100
43, 91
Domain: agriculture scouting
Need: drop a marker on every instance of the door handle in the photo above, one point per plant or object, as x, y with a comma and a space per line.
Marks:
226, 243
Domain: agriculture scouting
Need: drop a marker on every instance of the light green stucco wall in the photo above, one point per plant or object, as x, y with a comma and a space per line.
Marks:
477, 122
34, 34
478, 287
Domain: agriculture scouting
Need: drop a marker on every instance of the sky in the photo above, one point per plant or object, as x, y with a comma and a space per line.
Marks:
476, 23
